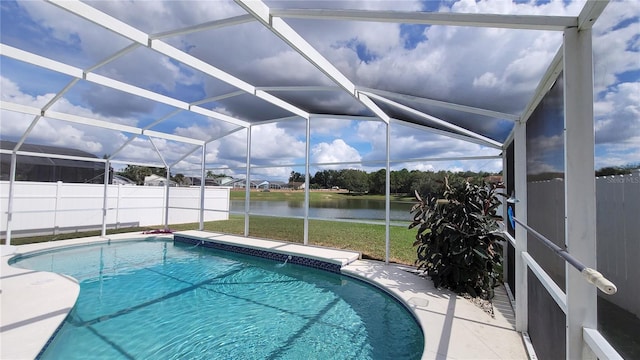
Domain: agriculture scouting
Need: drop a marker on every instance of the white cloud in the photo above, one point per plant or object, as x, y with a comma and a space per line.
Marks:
618, 114
486, 80
336, 151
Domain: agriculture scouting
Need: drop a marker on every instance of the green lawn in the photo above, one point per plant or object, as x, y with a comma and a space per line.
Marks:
298, 195
365, 238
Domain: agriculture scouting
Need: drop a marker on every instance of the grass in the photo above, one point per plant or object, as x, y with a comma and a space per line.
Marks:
298, 195
365, 238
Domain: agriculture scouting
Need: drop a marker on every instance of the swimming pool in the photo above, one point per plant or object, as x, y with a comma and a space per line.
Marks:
157, 299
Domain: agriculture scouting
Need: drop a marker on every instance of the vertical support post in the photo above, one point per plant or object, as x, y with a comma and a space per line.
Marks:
247, 189
12, 185
306, 183
166, 199
202, 185
505, 215
387, 197
105, 199
56, 206
520, 179
579, 186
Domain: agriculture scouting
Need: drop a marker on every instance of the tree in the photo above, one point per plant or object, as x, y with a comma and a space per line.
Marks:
355, 181
378, 182
138, 173
296, 177
401, 181
179, 179
325, 178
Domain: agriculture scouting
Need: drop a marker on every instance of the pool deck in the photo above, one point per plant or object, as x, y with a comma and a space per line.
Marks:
34, 303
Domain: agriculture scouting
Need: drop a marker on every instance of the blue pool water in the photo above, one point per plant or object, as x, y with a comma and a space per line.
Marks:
154, 299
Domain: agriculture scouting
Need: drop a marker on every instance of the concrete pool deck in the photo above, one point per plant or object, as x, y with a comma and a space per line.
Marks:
34, 303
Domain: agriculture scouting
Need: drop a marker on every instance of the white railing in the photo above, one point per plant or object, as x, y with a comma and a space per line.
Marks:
592, 337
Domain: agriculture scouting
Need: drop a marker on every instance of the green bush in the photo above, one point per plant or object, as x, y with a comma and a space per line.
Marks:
458, 242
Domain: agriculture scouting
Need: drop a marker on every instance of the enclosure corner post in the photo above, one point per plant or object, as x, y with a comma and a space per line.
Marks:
105, 198
306, 183
579, 185
520, 180
202, 186
247, 186
387, 197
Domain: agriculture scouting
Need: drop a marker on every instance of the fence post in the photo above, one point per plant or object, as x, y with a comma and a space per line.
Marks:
12, 185
118, 195
55, 207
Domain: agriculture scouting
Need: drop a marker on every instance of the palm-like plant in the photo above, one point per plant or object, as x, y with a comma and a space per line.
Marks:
458, 242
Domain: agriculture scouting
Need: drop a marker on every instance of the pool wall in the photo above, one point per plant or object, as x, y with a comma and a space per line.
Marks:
277, 256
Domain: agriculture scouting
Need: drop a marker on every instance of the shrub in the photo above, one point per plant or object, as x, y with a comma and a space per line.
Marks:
458, 243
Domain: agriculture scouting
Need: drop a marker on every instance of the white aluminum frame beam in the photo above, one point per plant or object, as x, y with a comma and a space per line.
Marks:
95, 123
484, 139
46, 63
110, 23
520, 189
31, 58
444, 104
529, 22
547, 81
25, 109
298, 88
579, 187
209, 25
285, 32
53, 156
218, 97
444, 133
172, 137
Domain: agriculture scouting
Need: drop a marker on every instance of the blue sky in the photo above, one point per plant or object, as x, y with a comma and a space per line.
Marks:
488, 68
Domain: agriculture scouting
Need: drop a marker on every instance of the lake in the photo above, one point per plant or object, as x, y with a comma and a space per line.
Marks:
350, 209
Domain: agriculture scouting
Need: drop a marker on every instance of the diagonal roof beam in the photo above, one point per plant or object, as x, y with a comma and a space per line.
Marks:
442, 132
298, 88
132, 138
46, 107
590, 12
285, 32
487, 141
213, 138
210, 25
444, 104
219, 97
531, 22
587, 17
46, 63
83, 120
68, 117
112, 24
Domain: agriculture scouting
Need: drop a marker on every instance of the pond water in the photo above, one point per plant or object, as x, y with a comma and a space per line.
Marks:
350, 209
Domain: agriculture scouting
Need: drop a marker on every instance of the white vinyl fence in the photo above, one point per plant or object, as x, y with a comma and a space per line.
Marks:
46, 208
618, 231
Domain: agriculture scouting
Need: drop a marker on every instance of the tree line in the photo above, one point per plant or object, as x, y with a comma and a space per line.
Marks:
355, 181
401, 181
